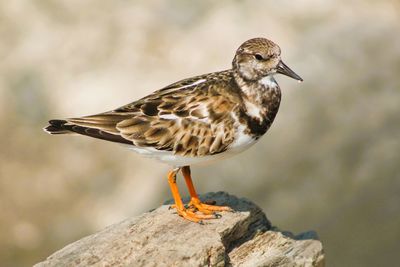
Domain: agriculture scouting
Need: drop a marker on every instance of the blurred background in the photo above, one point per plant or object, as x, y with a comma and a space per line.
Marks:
330, 162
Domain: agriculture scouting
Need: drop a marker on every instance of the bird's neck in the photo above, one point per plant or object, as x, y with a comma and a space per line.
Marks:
261, 97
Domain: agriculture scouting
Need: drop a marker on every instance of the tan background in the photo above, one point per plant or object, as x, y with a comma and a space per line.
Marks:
330, 162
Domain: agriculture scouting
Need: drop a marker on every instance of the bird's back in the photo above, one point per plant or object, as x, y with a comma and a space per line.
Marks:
192, 117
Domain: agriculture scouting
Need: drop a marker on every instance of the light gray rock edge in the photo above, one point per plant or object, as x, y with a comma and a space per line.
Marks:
161, 238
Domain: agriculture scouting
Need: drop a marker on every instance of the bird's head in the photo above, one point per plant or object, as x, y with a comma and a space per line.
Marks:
258, 58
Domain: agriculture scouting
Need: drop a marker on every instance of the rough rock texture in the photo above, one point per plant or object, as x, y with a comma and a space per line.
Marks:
161, 238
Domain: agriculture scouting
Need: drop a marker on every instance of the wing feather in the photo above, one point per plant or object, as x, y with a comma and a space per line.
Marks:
190, 118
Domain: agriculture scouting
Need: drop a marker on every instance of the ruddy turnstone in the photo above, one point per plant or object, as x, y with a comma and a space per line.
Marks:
196, 120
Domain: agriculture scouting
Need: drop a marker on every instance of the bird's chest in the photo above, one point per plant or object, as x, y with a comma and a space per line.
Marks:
248, 129
243, 139
257, 118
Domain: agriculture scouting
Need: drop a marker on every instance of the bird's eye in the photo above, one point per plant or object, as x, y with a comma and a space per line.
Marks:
259, 57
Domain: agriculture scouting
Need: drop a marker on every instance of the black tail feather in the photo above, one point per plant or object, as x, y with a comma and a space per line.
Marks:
57, 127
64, 127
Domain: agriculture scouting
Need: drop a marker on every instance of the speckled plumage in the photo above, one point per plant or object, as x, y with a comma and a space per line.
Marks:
196, 117
196, 120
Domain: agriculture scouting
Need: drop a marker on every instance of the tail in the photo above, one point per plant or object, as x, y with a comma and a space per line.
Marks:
57, 127
83, 126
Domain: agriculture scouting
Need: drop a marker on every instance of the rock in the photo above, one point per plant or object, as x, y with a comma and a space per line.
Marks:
161, 238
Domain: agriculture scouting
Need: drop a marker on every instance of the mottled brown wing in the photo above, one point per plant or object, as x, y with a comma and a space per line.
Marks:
191, 118
194, 121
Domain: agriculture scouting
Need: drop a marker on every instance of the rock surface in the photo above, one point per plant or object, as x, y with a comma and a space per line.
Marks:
161, 238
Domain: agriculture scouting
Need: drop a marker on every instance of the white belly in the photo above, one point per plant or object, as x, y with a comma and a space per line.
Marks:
175, 160
241, 143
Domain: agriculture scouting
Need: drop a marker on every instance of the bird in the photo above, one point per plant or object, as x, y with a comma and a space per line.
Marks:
196, 120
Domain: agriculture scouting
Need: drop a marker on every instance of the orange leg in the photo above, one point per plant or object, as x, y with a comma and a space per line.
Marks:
180, 208
195, 201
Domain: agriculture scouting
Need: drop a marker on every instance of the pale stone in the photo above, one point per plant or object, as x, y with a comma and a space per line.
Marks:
161, 238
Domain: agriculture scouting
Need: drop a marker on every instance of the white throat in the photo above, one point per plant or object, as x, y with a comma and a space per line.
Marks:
268, 81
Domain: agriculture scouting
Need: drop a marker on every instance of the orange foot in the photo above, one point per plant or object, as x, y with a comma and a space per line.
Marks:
186, 213
195, 202
206, 208
193, 216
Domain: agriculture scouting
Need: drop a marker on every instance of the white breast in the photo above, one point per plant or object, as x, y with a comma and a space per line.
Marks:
252, 109
242, 141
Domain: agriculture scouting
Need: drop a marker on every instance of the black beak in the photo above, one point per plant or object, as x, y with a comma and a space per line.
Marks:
283, 69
